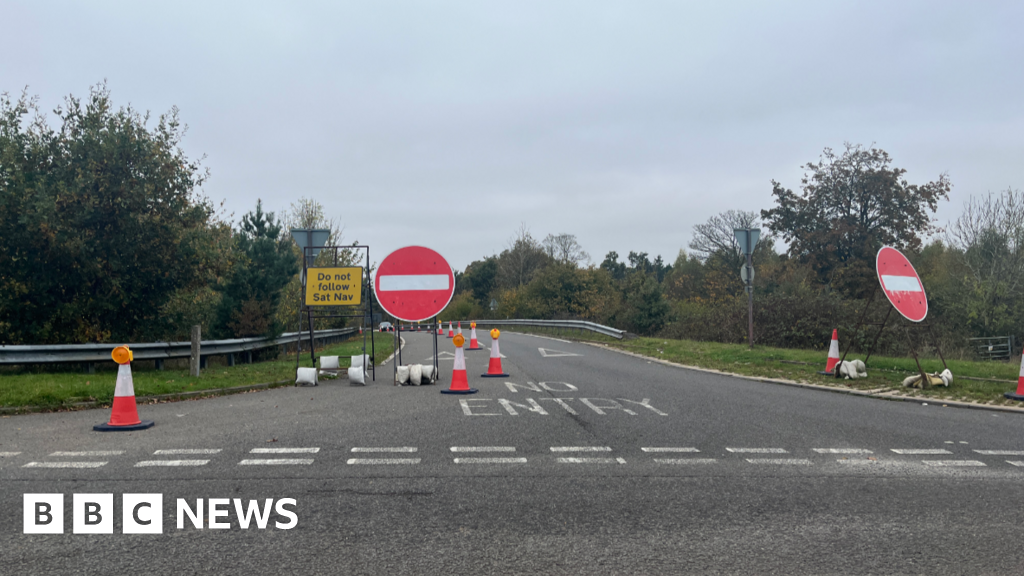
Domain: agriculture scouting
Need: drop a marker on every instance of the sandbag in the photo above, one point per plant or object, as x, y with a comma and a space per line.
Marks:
428, 374
403, 374
363, 360
356, 376
305, 376
329, 363
416, 374
853, 369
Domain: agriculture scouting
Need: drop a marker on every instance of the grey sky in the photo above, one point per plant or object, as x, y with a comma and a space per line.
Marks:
625, 123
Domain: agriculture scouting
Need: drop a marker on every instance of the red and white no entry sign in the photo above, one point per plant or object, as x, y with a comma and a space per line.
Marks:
901, 284
414, 283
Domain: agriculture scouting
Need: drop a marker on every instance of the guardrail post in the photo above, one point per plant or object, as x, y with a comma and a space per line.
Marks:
231, 359
90, 367
193, 361
159, 363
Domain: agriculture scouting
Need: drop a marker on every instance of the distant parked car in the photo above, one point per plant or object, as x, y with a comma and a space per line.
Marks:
386, 327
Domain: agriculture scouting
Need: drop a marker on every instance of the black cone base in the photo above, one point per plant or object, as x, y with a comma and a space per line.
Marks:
1013, 396
474, 349
494, 376
470, 391
108, 428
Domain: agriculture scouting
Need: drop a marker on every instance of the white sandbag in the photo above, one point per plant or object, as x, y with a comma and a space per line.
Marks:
362, 360
403, 374
305, 376
356, 376
329, 363
415, 374
428, 374
853, 369
947, 377
912, 380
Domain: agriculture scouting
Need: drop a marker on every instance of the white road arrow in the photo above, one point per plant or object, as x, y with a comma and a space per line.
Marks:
442, 356
549, 353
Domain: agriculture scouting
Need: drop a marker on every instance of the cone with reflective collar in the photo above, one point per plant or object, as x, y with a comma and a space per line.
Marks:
460, 383
451, 331
494, 365
459, 330
440, 329
1019, 395
833, 353
124, 415
473, 344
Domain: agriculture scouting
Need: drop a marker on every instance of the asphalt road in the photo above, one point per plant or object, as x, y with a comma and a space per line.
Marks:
582, 461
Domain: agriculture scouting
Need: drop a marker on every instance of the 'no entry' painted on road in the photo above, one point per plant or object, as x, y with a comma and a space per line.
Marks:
414, 283
901, 284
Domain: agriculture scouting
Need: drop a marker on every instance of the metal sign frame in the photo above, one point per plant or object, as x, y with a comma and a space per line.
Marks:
365, 308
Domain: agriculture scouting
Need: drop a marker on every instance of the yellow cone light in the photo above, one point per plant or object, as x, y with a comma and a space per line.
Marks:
495, 333
122, 355
458, 340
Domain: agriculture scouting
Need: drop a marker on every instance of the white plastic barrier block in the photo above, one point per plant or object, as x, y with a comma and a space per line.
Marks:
416, 374
306, 376
356, 376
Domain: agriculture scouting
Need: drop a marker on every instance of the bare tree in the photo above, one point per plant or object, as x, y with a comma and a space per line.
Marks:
518, 262
307, 213
716, 235
990, 237
565, 249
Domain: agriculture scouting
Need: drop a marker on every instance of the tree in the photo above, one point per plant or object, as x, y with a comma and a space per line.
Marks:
101, 224
265, 265
717, 236
613, 266
480, 279
523, 257
565, 249
850, 207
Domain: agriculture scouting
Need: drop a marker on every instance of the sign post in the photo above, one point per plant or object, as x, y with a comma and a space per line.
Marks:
747, 238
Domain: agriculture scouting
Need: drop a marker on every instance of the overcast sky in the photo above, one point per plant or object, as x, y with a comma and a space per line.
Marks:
624, 123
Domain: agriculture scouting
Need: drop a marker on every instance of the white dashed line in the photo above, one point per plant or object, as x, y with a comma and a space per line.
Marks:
685, 460
580, 449
383, 461
842, 451
1015, 462
798, 461
483, 448
666, 449
8, 454
758, 450
857, 461
920, 451
64, 464
387, 449
147, 463
592, 460
952, 463
89, 453
1001, 452
284, 450
276, 461
490, 460
182, 451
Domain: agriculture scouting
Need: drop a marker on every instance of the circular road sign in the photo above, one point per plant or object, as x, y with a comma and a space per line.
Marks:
901, 284
414, 283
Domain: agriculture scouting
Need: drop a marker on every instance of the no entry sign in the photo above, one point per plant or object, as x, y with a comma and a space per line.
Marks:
414, 283
901, 284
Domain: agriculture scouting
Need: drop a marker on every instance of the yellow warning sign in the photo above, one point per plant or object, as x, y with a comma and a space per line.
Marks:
334, 286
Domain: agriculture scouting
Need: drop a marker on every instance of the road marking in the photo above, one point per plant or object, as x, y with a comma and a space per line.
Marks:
90, 453
387, 449
64, 464
1015, 462
483, 448
758, 450
592, 460
545, 337
857, 461
146, 463
667, 449
685, 460
799, 461
920, 451
842, 451
1001, 452
383, 461
581, 449
177, 451
443, 355
490, 460
275, 461
8, 454
549, 353
952, 463
284, 450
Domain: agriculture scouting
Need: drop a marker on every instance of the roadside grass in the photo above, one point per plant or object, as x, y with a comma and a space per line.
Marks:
885, 374
63, 389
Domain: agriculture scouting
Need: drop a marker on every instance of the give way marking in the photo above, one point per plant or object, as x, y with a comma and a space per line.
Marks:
549, 353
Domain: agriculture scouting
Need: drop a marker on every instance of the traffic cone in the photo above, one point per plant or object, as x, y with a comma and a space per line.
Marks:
460, 384
494, 366
833, 354
451, 331
123, 414
1020, 384
440, 329
473, 344
460, 329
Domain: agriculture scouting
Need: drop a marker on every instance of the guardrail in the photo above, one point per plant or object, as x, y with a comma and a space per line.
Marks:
573, 324
89, 354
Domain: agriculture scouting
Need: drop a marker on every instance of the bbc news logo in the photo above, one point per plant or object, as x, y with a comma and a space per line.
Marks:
144, 513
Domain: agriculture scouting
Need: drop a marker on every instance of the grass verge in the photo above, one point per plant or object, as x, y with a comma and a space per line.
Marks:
34, 390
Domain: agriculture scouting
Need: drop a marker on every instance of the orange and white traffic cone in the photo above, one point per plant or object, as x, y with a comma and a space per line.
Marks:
459, 331
460, 383
1020, 384
494, 366
473, 344
440, 329
833, 354
451, 331
123, 414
